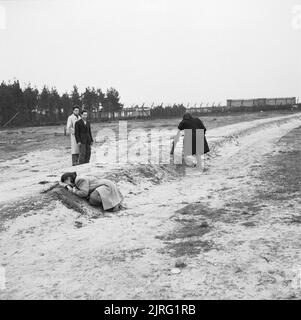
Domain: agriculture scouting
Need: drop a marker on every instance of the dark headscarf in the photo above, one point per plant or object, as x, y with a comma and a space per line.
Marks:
71, 175
187, 116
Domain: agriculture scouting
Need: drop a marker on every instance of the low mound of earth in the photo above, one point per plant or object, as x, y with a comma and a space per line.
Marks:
32, 159
231, 231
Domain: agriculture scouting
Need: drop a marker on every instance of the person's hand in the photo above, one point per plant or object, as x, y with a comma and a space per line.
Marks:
69, 188
172, 148
74, 189
79, 143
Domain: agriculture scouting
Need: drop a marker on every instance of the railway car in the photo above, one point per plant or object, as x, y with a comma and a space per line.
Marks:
261, 102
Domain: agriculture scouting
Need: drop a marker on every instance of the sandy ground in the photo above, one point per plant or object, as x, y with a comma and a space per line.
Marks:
232, 231
32, 158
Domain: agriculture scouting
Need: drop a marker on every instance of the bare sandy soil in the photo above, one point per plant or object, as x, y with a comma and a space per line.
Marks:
32, 158
230, 232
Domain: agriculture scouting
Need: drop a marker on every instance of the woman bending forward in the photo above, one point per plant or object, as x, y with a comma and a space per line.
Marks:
99, 192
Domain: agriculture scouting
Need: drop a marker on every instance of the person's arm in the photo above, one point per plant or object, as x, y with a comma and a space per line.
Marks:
90, 133
77, 129
176, 138
82, 189
69, 126
178, 135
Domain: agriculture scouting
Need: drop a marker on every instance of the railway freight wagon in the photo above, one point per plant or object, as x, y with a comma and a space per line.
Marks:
281, 102
252, 103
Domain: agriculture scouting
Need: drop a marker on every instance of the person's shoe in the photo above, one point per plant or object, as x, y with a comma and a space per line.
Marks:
116, 208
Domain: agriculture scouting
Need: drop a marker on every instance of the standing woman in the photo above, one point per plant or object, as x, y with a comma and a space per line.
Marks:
194, 143
71, 130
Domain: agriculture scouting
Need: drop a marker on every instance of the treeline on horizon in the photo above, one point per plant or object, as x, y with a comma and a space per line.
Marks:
29, 106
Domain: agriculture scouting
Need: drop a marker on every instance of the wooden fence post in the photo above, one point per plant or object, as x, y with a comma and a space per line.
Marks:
9, 121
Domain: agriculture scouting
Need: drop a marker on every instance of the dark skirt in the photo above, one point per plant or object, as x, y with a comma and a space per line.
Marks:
195, 144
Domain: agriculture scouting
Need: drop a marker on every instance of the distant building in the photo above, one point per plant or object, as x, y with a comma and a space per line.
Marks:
261, 102
127, 113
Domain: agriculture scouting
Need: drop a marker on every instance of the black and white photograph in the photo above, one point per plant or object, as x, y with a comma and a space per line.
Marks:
150, 150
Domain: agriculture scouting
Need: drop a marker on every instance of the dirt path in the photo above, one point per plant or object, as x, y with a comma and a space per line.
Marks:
31, 159
229, 235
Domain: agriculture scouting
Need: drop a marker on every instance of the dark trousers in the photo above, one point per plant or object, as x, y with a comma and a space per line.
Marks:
75, 157
84, 153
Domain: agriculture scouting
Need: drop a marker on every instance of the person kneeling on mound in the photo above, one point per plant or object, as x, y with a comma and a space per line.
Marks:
99, 192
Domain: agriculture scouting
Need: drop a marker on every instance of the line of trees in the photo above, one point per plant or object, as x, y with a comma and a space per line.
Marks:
29, 106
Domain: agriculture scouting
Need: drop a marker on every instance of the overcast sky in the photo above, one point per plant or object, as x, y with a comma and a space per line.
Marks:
154, 50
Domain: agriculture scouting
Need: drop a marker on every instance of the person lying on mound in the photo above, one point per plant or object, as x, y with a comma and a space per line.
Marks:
99, 192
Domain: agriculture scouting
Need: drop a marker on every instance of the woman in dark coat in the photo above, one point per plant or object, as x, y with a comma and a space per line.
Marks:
195, 142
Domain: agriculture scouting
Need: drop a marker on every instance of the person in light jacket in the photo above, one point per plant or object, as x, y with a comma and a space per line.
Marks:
99, 192
71, 130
